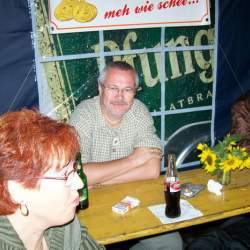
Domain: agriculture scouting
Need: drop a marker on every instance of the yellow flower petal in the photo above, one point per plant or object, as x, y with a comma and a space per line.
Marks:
201, 146
246, 163
232, 162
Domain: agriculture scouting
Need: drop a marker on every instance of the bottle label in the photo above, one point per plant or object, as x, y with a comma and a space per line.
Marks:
175, 186
173, 183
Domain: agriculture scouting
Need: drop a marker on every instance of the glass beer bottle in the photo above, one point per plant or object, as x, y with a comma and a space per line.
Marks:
83, 193
172, 189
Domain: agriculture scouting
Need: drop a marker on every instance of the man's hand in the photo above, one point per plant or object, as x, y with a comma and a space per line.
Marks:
141, 156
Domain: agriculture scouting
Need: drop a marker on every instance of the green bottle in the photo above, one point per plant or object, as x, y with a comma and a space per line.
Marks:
83, 193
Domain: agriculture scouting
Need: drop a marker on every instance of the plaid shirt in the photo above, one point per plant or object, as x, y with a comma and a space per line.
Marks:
100, 143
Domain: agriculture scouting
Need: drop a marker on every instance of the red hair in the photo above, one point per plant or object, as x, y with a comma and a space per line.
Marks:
31, 144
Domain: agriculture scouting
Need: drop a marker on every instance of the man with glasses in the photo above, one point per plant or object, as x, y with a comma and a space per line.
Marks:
118, 139
116, 130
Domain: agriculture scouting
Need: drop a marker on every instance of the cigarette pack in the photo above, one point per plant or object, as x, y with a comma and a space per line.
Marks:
125, 205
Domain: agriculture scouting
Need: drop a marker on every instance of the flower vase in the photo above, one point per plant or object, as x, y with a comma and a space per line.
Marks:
224, 177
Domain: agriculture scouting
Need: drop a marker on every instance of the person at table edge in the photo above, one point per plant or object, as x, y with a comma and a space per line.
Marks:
116, 130
118, 138
38, 185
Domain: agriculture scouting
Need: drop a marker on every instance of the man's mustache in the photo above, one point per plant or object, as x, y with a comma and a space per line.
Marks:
119, 103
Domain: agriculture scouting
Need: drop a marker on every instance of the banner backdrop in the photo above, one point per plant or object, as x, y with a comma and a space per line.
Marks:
174, 64
77, 16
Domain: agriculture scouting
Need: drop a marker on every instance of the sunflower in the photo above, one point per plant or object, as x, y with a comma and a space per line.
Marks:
246, 163
208, 158
231, 146
230, 163
227, 155
202, 147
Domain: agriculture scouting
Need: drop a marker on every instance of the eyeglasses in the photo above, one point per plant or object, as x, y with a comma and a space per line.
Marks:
67, 177
115, 90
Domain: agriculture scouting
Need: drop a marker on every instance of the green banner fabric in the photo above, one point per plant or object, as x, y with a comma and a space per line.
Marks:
175, 67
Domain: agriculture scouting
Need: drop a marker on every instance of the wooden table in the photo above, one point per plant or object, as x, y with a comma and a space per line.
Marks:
107, 227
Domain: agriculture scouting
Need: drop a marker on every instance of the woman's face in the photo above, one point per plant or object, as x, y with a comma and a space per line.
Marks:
54, 203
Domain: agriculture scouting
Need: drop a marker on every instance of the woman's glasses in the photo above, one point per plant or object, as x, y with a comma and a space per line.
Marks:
67, 177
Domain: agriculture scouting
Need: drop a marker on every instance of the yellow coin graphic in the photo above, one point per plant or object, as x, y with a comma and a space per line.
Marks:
84, 12
64, 11
73, 1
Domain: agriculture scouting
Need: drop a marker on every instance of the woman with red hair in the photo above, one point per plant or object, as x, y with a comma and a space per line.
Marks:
39, 184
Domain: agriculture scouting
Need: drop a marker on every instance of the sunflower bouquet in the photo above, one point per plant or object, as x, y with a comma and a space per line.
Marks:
224, 157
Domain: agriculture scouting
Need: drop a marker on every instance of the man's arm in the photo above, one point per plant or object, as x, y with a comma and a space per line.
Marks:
143, 163
150, 170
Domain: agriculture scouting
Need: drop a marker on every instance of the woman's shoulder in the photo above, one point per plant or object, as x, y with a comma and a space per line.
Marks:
9, 240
